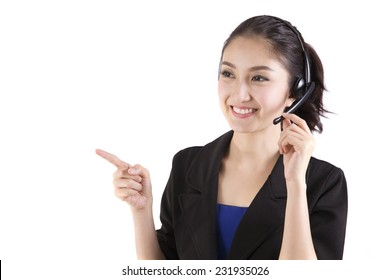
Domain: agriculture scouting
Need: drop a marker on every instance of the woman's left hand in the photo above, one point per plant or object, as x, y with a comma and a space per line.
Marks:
297, 144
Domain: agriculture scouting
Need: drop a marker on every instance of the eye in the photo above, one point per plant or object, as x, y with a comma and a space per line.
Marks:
259, 78
227, 74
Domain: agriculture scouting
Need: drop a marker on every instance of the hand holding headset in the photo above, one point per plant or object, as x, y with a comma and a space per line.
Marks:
303, 87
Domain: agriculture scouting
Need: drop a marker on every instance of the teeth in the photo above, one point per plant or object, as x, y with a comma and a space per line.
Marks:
243, 111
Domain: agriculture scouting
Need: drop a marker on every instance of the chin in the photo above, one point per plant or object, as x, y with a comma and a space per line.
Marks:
252, 128
244, 129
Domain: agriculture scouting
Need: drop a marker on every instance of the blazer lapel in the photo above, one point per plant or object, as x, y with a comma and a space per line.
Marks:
199, 203
264, 217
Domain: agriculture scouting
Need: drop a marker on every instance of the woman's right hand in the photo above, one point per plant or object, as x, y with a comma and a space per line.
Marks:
131, 183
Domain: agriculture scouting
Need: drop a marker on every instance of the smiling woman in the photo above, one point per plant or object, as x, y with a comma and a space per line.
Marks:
256, 192
253, 85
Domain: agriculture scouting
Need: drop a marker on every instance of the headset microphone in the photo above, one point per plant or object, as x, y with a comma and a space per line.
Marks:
304, 85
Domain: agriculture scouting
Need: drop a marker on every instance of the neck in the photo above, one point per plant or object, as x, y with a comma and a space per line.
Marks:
259, 147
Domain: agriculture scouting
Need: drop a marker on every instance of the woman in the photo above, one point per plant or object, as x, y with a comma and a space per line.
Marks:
256, 192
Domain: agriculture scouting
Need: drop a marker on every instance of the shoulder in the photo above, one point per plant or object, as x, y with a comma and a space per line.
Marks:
195, 166
322, 169
198, 164
326, 180
206, 152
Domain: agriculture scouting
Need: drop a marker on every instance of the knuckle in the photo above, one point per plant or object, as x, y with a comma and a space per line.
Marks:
117, 174
136, 186
141, 168
137, 166
119, 194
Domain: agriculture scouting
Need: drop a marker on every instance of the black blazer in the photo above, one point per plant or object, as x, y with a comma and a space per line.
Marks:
189, 204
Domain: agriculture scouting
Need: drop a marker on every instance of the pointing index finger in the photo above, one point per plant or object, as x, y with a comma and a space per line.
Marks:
112, 158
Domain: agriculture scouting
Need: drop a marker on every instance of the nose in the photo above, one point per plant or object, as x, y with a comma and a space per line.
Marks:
243, 91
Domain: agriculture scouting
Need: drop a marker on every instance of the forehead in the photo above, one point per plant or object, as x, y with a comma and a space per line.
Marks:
252, 50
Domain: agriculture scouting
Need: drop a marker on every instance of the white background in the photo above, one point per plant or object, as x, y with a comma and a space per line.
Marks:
139, 79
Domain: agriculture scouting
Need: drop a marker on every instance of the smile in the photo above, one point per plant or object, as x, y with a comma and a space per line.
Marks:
243, 112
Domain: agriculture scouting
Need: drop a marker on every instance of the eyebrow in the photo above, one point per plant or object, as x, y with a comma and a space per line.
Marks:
254, 68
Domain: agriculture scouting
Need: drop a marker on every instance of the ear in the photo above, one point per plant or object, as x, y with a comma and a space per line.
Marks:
289, 101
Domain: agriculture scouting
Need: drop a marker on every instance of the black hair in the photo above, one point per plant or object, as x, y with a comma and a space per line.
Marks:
286, 47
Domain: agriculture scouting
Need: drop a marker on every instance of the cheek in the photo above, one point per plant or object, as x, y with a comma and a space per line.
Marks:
223, 91
273, 101
269, 102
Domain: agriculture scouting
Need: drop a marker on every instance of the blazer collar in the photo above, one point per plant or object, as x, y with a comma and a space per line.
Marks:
199, 204
207, 164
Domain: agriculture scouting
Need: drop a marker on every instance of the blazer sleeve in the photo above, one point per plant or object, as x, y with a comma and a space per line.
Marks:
170, 211
170, 206
328, 217
165, 234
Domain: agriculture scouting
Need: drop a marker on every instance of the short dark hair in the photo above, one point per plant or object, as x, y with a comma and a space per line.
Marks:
285, 45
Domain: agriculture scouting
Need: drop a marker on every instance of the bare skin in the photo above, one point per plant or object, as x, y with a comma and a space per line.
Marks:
132, 184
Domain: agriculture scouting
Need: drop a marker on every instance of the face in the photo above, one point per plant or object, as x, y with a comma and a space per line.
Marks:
253, 85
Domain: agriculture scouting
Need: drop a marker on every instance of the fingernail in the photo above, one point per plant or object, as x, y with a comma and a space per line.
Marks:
132, 171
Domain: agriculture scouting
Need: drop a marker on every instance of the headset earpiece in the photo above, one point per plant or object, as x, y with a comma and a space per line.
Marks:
299, 88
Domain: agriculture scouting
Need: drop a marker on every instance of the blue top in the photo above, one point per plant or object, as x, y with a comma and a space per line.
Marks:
228, 219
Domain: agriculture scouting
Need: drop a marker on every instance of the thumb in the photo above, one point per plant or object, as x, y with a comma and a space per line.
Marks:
139, 170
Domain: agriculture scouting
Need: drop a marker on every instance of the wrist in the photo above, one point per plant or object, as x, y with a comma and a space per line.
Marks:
147, 209
296, 187
297, 181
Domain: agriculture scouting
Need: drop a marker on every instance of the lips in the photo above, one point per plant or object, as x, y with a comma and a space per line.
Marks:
243, 111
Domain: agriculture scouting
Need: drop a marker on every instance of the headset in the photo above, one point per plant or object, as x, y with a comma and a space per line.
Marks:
303, 87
